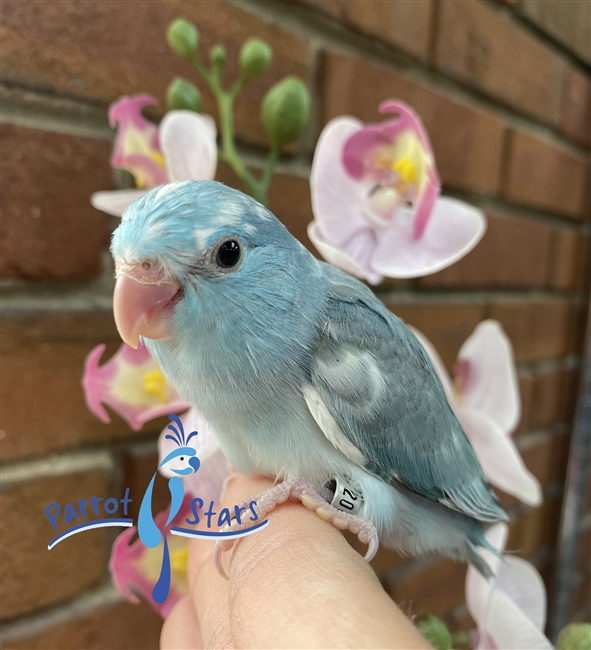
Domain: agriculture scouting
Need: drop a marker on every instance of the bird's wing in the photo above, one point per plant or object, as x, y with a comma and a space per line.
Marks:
375, 394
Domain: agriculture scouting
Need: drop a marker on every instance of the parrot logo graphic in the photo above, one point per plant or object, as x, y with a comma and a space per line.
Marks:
182, 461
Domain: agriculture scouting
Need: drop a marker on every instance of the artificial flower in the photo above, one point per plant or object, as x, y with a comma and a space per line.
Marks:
136, 568
376, 204
182, 148
485, 398
131, 383
510, 608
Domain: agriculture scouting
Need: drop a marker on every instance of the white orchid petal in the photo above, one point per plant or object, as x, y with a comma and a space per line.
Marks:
340, 257
492, 386
522, 582
478, 589
188, 143
115, 202
500, 460
336, 197
453, 230
510, 627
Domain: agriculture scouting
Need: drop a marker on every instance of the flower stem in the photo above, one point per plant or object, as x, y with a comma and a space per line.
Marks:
228, 153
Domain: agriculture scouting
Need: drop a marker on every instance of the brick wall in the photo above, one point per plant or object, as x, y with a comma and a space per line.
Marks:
504, 89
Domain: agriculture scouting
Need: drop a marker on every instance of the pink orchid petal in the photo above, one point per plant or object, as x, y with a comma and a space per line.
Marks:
336, 198
116, 202
147, 172
425, 203
357, 148
439, 367
136, 143
491, 385
478, 589
452, 231
114, 383
510, 628
407, 120
188, 142
501, 462
352, 258
207, 482
128, 564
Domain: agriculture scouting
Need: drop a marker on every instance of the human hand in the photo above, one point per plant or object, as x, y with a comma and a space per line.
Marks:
295, 584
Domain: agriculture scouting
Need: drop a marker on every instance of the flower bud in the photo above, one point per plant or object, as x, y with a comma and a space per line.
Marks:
434, 630
576, 636
183, 95
255, 58
183, 38
285, 111
217, 55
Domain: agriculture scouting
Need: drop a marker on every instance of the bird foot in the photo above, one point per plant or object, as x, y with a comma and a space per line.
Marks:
296, 490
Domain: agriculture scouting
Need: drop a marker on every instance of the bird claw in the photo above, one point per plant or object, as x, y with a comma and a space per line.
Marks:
298, 490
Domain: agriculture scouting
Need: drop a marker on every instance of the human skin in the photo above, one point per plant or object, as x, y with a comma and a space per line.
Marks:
295, 584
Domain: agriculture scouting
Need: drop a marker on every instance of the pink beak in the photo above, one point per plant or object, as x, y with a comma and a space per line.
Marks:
140, 308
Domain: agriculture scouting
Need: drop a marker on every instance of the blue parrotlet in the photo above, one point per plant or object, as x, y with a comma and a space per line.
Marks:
303, 373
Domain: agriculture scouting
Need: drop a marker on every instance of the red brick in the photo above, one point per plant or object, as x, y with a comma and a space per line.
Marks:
546, 176
514, 252
467, 141
49, 228
526, 386
46, 351
102, 50
575, 107
123, 626
537, 528
568, 22
541, 328
138, 469
570, 259
446, 325
404, 24
436, 589
548, 459
554, 396
489, 51
32, 576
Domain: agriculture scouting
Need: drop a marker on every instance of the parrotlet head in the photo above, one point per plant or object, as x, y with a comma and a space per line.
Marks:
189, 252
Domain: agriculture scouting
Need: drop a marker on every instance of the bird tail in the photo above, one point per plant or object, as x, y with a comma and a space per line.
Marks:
474, 556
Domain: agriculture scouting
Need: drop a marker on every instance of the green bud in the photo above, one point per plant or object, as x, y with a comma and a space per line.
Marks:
183, 95
285, 111
576, 636
434, 630
183, 38
255, 57
217, 54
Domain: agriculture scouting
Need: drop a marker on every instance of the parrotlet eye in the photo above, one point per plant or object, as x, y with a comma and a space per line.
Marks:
228, 254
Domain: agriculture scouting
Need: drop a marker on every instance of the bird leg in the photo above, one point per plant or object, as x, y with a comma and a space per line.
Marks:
296, 490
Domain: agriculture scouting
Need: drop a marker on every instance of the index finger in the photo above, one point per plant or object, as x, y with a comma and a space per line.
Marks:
298, 583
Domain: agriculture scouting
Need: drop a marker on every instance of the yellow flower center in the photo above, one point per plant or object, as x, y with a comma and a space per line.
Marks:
178, 560
406, 170
457, 386
155, 384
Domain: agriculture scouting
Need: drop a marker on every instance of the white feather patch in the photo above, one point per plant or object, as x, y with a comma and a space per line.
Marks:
329, 426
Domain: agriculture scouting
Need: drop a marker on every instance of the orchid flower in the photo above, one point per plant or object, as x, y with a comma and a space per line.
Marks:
131, 383
182, 148
135, 566
485, 398
375, 198
510, 609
